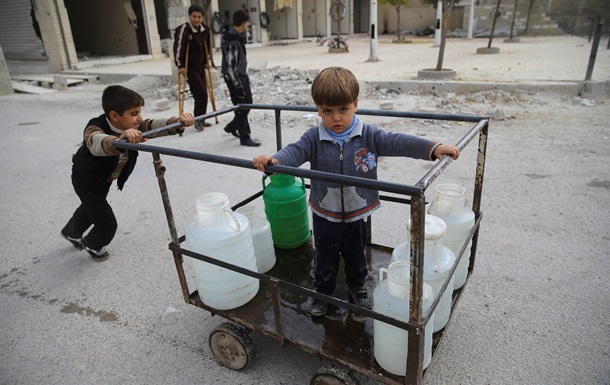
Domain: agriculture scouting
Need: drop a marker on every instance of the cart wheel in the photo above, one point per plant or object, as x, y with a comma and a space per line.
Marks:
231, 346
333, 375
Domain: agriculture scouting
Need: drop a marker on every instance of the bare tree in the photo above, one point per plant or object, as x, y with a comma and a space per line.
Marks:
397, 4
447, 7
529, 11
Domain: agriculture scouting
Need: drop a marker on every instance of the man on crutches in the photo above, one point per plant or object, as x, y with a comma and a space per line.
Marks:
191, 55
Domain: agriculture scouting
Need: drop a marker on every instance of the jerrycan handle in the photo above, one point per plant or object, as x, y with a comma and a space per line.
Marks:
303, 184
232, 215
265, 176
381, 271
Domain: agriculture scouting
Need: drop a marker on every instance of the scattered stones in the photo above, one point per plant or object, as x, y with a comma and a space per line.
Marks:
498, 114
163, 104
291, 86
386, 105
587, 102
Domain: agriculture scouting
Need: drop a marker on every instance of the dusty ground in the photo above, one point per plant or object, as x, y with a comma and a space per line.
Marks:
534, 312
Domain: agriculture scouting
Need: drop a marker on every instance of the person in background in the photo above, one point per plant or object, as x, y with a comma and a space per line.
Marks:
97, 163
192, 50
343, 144
234, 71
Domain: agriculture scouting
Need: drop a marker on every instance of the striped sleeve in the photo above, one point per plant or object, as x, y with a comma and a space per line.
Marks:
180, 44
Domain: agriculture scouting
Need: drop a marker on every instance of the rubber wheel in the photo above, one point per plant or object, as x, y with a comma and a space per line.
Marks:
231, 346
333, 375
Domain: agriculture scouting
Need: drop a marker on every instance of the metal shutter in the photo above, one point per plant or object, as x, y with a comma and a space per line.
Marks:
17, 36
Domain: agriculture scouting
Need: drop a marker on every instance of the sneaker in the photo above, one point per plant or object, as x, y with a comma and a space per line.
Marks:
75, 241
360, 296
97, 255
318, 308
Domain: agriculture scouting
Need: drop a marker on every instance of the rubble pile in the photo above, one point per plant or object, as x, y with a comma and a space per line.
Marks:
291, 86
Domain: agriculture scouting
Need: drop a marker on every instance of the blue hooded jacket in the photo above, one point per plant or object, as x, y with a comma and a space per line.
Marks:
359, 157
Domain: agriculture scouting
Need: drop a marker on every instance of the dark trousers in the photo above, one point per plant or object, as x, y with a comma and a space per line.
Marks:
199, 90
240, 120
339, 238
93, 210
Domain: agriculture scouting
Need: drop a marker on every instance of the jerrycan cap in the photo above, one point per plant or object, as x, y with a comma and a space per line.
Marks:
435, 227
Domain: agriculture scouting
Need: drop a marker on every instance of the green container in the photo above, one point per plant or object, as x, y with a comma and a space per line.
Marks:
286, 209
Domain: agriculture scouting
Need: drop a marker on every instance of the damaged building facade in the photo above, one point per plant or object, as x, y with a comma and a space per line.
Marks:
60, 35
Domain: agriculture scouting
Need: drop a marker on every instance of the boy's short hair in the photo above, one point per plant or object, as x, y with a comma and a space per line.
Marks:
335, 86
120, 99
196, 8
240, 17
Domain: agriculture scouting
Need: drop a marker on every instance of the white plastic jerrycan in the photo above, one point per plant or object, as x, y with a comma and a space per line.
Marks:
391, 298
438, 261
261, 238
220, 233
450, 205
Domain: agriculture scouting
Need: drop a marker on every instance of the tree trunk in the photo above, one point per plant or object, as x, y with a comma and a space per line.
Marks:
512, 24
529, 12
447, 6
398, 23
493, 24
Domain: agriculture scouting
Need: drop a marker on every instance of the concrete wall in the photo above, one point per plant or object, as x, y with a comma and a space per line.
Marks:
154, 40
410, 18
548, 17
5, 80
56, 34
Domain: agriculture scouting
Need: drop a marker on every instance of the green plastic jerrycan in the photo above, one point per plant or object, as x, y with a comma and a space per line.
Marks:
286, 208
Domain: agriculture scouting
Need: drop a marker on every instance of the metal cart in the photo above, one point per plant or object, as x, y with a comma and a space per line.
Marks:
280, 309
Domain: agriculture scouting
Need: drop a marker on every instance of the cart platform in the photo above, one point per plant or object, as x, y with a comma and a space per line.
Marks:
341, 336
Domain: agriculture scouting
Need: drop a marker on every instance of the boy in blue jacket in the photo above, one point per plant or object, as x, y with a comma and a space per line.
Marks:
343, 144
97, 163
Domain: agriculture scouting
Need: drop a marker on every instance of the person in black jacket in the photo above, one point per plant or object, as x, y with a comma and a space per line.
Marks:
234, 71
194, 37
97, 163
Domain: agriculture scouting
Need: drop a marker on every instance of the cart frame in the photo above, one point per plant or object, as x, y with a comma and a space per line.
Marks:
276, 286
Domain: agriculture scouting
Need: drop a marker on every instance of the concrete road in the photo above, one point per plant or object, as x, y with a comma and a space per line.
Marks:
534, 312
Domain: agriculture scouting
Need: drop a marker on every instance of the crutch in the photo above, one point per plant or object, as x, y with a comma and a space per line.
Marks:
182, 84
210, 85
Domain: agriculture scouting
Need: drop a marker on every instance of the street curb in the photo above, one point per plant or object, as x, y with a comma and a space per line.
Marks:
573, 88
567, 87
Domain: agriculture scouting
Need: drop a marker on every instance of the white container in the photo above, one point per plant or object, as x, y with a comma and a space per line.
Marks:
219, 233
261, 238
450, 205
391, 298
438, 261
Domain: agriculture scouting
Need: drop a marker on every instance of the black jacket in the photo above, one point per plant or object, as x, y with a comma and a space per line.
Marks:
188, 36
234, 61
93, 172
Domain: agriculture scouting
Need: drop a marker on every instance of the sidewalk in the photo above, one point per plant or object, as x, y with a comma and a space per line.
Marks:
558, 62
